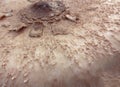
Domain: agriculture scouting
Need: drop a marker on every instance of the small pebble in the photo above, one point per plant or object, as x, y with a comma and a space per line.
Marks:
13, 78
5, 25
26, 74
2, 16
18, 27
25, 81
8, 14
71, 18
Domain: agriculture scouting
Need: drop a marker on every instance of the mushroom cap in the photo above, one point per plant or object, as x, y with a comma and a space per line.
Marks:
43, 11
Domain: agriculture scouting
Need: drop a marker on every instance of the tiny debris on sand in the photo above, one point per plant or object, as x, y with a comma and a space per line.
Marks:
66, 54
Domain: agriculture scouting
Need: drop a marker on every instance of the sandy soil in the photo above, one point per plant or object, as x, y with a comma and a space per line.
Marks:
86, 55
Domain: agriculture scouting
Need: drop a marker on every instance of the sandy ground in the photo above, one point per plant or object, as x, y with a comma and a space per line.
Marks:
87, 55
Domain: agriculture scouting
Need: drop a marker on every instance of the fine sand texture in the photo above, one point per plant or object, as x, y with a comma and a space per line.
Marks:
67, 54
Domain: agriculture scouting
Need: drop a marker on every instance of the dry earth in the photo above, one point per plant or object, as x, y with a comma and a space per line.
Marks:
87, 54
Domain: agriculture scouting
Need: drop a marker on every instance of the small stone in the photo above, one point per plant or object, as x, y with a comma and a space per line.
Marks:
18, 27
4, 64
2, 16
71, 18
13, 78
7, 24
26, 74
26, 80
53, 64
8, 14
36, 30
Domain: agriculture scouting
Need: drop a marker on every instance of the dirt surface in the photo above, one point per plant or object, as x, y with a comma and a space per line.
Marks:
68, 54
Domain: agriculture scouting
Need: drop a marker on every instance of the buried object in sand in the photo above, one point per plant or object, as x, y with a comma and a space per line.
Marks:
43, 13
